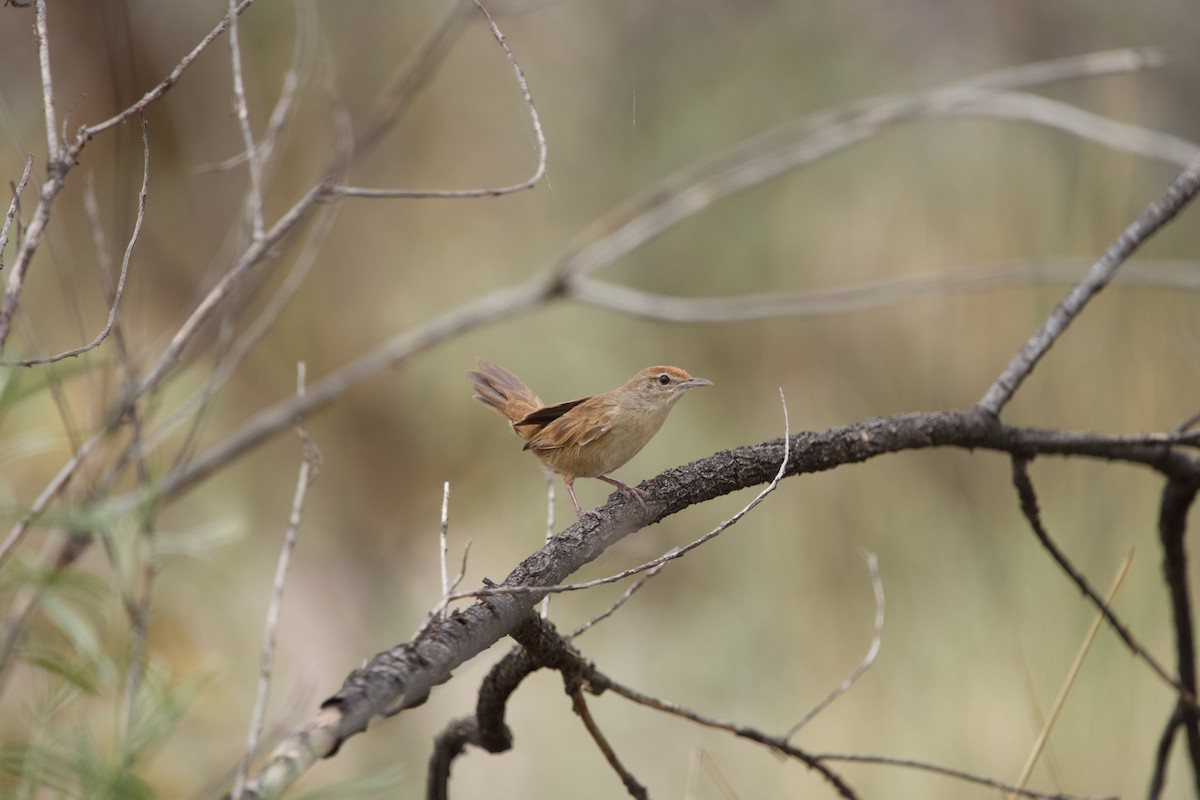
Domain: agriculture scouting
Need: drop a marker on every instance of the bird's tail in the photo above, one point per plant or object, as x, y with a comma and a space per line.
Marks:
499, 389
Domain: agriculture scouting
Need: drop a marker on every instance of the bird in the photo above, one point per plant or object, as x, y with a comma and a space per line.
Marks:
592, 436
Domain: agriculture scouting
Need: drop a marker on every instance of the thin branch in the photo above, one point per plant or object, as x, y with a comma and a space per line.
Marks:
281, 112
814, 760
957, 774
543, 288
411, 75
550, 482
15, 284
843, 299
258, 250
539, 135
41, 32
13, 205
60, 161
255, 198
868, 659
501, 304
162, 87
442, 537
187, 409
612, 609
543, 646
1055, 115
579, 705
437, 613
310, 465
119, 290
801, 142
1160, 211
602, 682
1029, 507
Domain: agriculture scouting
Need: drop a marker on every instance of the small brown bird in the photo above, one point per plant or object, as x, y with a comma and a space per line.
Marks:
590, 437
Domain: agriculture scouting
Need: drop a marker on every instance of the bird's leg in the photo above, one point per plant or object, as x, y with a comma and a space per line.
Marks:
637, 494
571, 491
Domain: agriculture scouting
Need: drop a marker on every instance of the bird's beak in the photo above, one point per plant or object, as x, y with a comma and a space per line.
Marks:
691, 383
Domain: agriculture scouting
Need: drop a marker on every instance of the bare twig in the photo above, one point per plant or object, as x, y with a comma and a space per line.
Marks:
781, 745
119, 290
777, 743
629, 225
60, 160
253, 255
411, 75
1029, 507
608, 612
13, 205
162, 87
843, 299
438, 611
1160, 211
42, 33
957, 774
187, 409
255, 197
442, 537
535, 120
579, 704
284, 104
15, 284
500, 304
1089, 127
550, 481
868, 659
309, 467
801, 142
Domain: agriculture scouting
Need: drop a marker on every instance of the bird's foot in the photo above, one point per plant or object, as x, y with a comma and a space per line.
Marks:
633, 491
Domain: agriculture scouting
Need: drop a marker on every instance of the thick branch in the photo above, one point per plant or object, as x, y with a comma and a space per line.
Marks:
402, 677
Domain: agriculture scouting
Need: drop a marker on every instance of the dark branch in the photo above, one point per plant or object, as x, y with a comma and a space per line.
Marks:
1177, 499
402, 676
1162, 753
1029, 507
579, 704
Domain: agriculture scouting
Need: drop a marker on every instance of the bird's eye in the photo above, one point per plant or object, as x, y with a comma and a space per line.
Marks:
664, 379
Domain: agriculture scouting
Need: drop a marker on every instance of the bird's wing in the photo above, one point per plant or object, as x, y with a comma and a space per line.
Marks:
559, 429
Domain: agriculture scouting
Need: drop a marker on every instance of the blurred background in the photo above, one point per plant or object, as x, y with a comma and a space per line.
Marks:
756, 626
